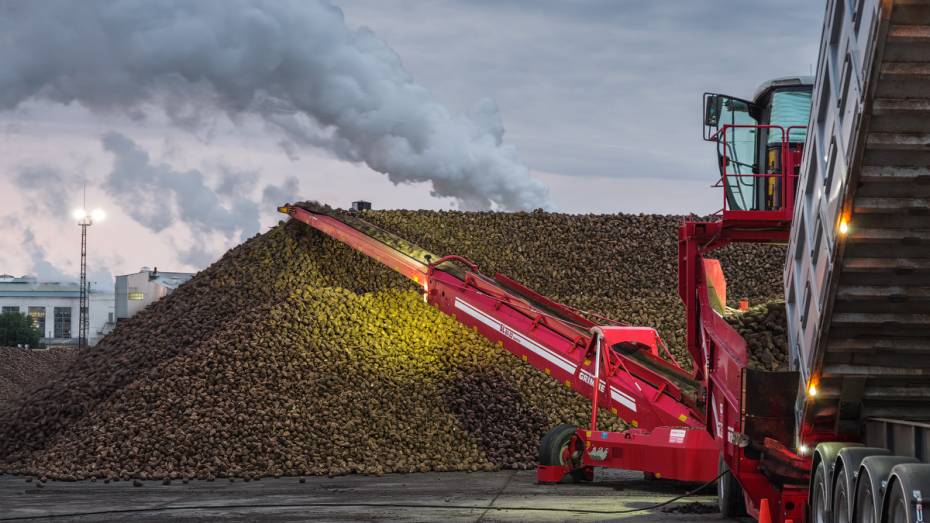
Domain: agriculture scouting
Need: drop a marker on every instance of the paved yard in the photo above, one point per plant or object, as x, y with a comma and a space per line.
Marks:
454, 496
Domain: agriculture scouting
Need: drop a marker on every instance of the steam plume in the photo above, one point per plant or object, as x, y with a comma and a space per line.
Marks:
293, 63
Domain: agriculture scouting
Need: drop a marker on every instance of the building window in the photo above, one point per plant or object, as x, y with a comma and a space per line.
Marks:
38, 318
7, 309
62, 322
135, 296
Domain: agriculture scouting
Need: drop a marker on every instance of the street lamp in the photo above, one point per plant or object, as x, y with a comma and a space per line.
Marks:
85, 219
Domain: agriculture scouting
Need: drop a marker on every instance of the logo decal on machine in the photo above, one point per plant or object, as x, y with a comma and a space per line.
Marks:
507, 331
677, 436
588, 378
624, 399
597, 453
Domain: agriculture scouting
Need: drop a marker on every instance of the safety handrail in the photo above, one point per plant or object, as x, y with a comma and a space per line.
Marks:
783, 172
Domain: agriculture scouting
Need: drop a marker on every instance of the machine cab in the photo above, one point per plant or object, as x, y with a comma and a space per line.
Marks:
759, 146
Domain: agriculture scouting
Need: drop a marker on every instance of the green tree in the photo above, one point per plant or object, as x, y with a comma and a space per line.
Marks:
17, 328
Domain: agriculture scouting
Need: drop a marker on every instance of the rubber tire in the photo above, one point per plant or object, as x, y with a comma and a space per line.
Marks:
819, 494
874, 470
896, 510
841, 502
729, 493
551, 446
865, 502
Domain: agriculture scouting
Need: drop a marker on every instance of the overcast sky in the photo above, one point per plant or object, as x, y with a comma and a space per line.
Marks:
599, 100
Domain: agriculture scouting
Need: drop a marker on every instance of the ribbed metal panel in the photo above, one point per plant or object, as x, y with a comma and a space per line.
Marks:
859, 304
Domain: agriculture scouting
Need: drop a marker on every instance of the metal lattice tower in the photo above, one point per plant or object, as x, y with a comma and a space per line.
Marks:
82, 315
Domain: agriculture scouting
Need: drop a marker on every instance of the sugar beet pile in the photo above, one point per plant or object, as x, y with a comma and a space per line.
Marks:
293, 355
25, 369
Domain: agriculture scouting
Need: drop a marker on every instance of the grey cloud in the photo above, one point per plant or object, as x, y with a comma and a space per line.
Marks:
196, 255
288, 192
293, 63
48, 189
157, 195
41, 267
233, 183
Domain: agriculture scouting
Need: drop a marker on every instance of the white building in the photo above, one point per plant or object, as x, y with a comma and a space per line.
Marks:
55, 306
135, 292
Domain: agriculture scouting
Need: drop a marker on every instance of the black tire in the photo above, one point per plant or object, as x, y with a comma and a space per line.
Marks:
848, 466
896, 509
841, 501
904, 499
729, 493
872, 484
552, 451
865, 502
820, 498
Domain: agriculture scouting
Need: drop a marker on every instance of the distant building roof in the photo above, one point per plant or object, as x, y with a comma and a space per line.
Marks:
21, 287
30, 287
172, 280
168, 280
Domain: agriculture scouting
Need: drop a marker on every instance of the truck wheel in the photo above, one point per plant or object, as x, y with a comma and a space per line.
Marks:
840, 502
904, 499
870, 485
820, 499
845, 473
896, 509
554, 450
865, 502
729, 493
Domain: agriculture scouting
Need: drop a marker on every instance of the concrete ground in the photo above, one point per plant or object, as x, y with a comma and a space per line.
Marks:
448, 497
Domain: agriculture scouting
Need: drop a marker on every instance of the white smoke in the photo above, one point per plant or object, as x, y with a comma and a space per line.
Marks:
293, 63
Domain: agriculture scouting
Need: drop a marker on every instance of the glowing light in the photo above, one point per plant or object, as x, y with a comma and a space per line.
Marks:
79, 214
812, 390
804, 450
98, 215
844, 226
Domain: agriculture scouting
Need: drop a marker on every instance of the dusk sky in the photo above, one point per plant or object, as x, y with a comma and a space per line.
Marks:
188, 122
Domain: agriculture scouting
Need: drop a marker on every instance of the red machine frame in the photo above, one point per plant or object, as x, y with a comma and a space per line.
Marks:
681, 422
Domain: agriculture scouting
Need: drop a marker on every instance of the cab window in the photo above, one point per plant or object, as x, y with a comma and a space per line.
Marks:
739, 146
790, 108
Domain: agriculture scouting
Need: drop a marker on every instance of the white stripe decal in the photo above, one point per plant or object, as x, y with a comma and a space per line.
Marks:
623, 399
618, 396
531, 345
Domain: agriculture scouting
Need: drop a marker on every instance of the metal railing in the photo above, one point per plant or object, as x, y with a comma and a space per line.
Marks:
781, 181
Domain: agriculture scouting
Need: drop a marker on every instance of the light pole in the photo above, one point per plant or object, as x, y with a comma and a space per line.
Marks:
85, 219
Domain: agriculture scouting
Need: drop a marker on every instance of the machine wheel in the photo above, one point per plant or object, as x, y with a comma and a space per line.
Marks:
554, 449
729, 493
820, 498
